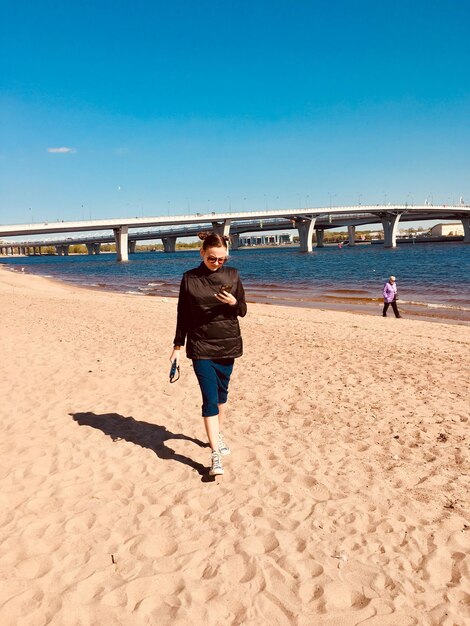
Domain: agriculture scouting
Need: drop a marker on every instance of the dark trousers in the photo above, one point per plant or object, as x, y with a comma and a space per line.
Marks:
213, 377
394, 307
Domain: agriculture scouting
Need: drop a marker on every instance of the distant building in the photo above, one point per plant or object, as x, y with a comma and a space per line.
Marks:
266, 240
444, 230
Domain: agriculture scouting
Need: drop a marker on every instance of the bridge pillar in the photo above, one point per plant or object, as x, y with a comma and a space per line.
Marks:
320, 234
121, 236
352, 235
235, 241
466, 229
93, 248
169, 244
222, 228
390, 226
132, 245
59, 250
305, 227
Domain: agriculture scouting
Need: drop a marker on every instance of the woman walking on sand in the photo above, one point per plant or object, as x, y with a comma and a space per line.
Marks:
390, 296
211, 298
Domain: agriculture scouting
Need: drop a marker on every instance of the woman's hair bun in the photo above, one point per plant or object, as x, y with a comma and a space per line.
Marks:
211, 239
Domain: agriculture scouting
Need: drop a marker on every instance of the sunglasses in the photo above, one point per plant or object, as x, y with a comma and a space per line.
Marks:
217, 259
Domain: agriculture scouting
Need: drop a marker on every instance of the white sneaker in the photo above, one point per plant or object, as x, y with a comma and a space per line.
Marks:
216, 467
223, 447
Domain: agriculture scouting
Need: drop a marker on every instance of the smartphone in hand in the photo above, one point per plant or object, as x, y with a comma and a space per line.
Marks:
227, 288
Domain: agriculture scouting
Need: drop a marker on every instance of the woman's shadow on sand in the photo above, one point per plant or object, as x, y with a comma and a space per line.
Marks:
152, 436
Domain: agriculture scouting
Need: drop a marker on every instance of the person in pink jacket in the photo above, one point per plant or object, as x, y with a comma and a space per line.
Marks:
390, 296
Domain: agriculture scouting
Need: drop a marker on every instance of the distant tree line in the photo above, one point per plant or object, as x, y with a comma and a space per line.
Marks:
111, 247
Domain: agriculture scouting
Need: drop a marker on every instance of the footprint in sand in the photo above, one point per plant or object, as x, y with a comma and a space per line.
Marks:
81, 522
277, 498
259, 544
239, 568
152, 546
319, 492
438, 567
338, 596
34, 567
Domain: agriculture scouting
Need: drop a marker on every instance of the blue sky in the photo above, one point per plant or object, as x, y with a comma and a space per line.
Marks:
148, 108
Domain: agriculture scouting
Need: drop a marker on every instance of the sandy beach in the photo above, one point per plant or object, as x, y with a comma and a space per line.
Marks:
345, 501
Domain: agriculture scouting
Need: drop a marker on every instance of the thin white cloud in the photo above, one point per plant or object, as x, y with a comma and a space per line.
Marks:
63, 150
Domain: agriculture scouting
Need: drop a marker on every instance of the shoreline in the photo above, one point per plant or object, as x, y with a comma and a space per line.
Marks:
430, 312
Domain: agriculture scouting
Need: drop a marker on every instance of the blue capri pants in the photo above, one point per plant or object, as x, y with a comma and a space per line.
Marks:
213, 377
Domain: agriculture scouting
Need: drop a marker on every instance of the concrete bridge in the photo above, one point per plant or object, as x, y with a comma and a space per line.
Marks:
170, 228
